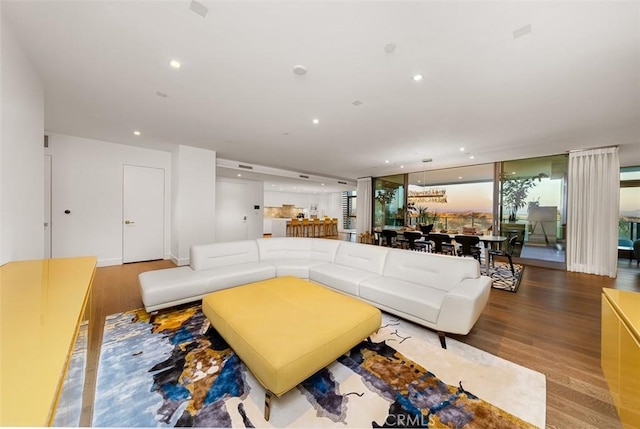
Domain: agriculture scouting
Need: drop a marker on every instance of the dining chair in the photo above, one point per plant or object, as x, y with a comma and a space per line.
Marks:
390, 238
414, 241
442, 243
511, 244
469, 246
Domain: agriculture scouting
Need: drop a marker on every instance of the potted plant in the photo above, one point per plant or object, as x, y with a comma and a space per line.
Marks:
515, 191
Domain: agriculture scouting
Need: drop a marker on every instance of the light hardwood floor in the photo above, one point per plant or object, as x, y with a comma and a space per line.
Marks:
551, 325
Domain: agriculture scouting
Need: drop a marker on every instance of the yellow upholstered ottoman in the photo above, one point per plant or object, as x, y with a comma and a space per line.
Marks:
286, 329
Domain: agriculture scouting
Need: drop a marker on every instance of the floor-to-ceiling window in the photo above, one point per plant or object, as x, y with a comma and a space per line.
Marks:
388, 202
349, 201
451, 199
533, 205
629, 220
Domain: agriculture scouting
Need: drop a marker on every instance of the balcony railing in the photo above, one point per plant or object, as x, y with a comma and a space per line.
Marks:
628, 228
455, 222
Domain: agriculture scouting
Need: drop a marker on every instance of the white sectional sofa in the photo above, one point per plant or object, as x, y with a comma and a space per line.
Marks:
443, 293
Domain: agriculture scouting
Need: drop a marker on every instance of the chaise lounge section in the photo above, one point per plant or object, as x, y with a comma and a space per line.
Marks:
443, 293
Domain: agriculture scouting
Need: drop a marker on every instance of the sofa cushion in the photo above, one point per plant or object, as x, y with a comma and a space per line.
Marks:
344, 279
234, 275
293, 267
205, 256
362, 257
428, 269
171, 284
314, 249
403, 296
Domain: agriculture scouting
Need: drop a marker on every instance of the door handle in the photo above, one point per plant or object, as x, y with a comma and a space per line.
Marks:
128, 222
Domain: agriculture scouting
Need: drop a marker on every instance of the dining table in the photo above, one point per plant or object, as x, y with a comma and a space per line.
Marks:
488, 241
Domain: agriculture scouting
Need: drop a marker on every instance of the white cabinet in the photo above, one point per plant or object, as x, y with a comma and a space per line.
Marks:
279, 227
267, 227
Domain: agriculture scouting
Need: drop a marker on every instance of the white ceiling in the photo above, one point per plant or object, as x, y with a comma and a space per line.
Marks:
573, 82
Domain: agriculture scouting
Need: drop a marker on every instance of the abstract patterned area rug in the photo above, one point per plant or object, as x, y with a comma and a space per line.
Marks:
70, 402
177, 371
503, 278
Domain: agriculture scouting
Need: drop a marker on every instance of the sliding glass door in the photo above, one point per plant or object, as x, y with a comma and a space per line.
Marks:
388, 202
533, 195
452, 199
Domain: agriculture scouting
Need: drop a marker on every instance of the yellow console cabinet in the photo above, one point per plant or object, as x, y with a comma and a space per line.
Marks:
620, 354
42, 304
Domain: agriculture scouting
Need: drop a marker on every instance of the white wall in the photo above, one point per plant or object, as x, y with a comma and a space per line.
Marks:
21, 153
194, 203
87, 178
334, 206
236, 215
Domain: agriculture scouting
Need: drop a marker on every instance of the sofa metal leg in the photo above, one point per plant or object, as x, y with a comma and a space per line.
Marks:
443, 339
267, 404
152, 316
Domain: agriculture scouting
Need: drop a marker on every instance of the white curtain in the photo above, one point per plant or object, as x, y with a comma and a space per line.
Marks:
363, 206
593, 206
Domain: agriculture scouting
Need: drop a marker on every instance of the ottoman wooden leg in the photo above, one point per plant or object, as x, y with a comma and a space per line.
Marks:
443, 339
267, 405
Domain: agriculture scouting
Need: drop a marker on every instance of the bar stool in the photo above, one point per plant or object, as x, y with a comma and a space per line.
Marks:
293, 228
334, 227
305, 228
315, 228
327, 227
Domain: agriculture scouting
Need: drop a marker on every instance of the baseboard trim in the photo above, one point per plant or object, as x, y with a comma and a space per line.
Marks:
109, 262
179, 262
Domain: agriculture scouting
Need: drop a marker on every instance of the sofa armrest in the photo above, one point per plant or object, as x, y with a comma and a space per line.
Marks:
463, 305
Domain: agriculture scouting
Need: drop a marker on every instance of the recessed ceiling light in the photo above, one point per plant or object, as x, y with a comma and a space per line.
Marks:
402, 166
316, 121
322, 184
386, 161
239, 175
417, 77
522, 31
299, 70
459, 177
419, 181
198, 8
273, 185
175, 64
137, 133
461, 149
471, 157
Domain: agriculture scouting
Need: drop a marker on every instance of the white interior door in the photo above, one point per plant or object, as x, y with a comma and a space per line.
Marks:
47, 206
231, 211
143, 214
